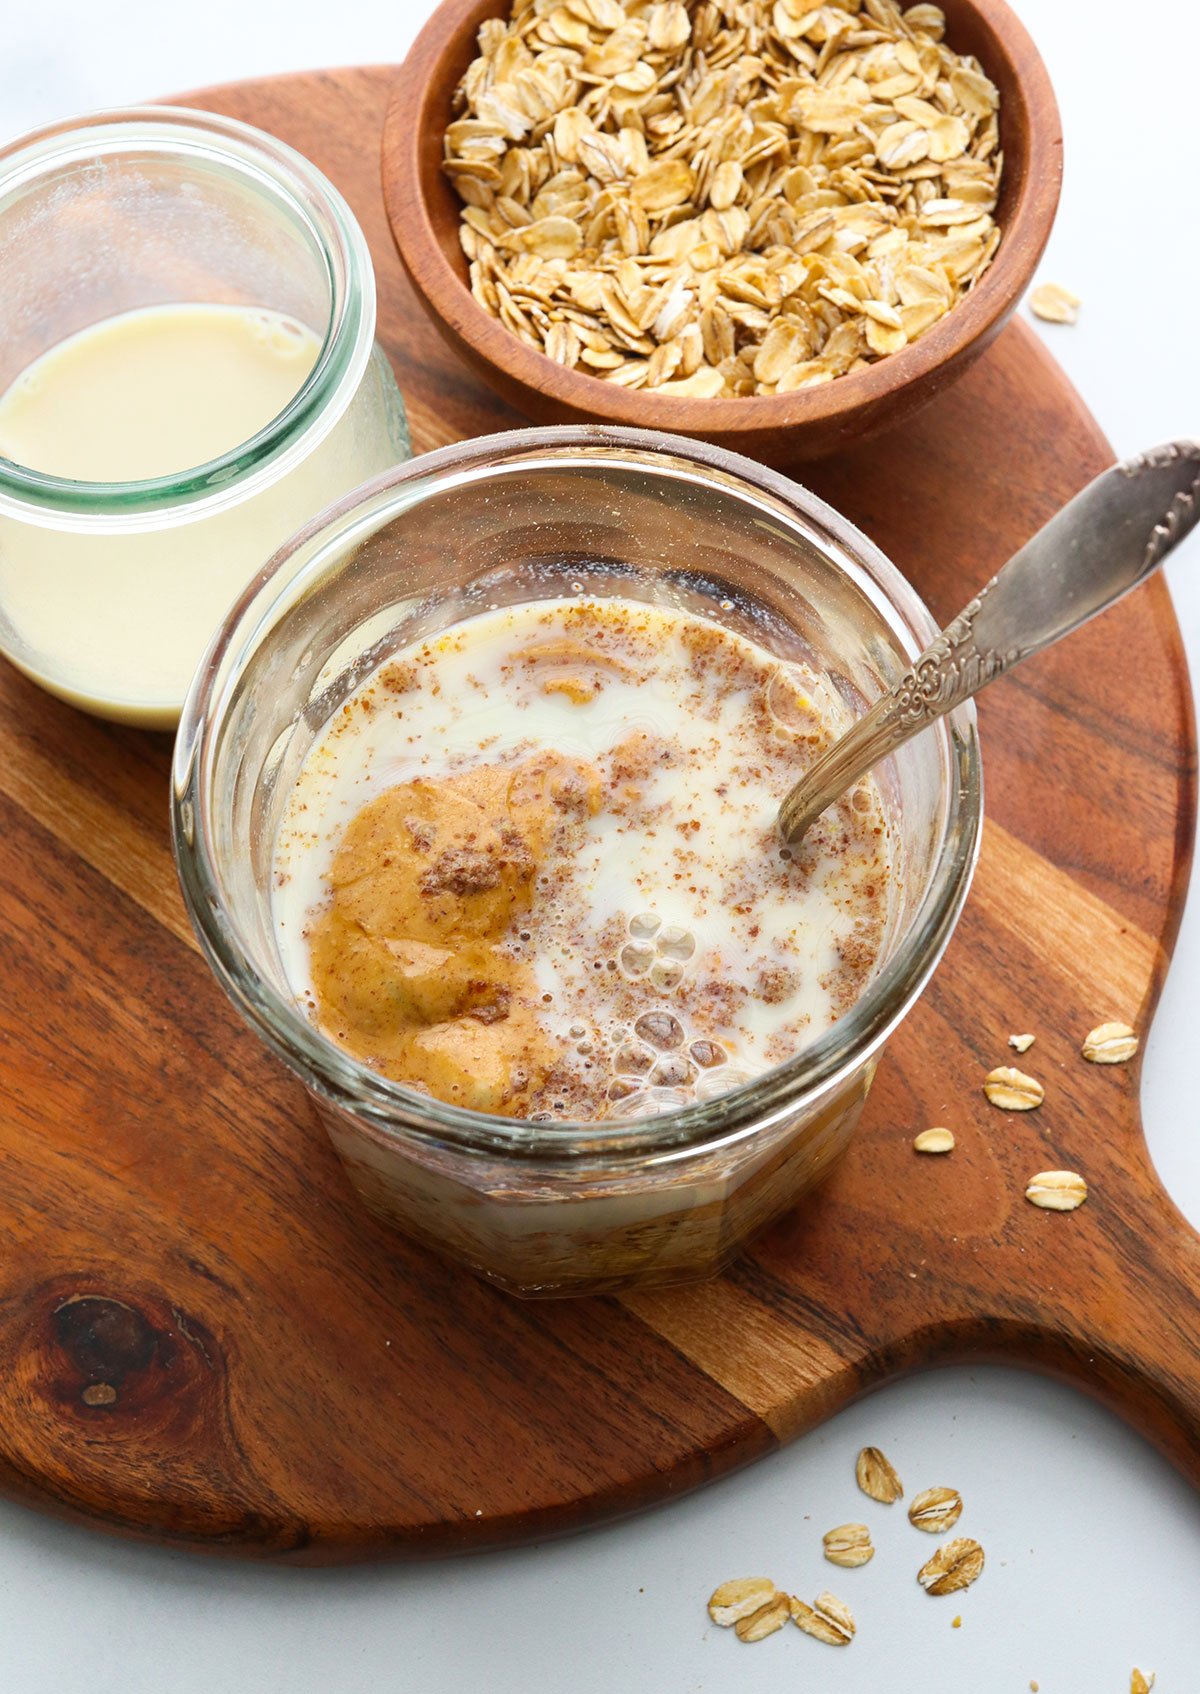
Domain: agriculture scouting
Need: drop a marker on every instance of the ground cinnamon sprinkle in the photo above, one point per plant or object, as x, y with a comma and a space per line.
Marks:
570, 902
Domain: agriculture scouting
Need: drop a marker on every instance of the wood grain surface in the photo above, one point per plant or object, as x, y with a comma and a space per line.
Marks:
207, 1341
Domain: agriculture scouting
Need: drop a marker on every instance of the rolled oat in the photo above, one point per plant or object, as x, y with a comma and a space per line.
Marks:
800, 190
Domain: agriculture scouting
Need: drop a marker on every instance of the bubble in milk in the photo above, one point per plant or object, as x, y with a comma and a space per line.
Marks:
673, 1070
676, 943
713, 1083
661, 1029
666, 975
653, 1102
644, 925
633, 1058
637, 957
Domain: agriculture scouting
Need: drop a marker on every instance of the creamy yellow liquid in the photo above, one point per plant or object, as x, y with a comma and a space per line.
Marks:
154, 392
116, 620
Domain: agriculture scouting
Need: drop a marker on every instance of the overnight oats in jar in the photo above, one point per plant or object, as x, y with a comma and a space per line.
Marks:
533, 867
475, 818
188, 372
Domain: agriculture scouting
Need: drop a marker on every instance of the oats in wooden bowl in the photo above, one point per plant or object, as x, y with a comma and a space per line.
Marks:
775, 226
723, 201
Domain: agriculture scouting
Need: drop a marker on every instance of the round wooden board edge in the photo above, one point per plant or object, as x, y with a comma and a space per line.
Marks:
749, 1445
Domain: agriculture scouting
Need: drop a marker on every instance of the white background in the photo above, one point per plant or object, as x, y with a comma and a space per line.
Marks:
1093, 1544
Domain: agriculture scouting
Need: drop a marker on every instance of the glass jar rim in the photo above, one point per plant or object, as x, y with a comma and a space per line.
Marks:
396, 1110
273, 169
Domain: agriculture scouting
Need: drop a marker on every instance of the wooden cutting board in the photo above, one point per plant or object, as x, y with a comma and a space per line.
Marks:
206, 1341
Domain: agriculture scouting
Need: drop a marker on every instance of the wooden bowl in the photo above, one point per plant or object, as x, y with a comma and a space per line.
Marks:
782, 428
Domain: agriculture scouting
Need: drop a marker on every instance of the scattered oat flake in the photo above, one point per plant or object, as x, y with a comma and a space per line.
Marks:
1054, 303
1109, 1044
849, 1545
877, 1477
934, 1141
1022, 1043
956, 1623
1057, 1191
936, 1510
828, 1619
1012, 1090
763, 1622
1139, 1683
1033, 1687
955, 1565
735, 1600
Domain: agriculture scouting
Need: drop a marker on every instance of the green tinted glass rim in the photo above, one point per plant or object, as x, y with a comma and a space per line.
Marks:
297, 188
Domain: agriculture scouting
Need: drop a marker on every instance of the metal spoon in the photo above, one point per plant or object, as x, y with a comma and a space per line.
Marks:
1107, 540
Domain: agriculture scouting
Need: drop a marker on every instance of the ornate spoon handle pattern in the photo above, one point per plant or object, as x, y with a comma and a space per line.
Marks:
1104, 542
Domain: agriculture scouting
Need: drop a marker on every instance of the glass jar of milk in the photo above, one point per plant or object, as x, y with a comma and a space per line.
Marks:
188, 374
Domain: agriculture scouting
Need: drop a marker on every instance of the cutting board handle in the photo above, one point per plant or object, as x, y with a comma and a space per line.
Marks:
1127, 1332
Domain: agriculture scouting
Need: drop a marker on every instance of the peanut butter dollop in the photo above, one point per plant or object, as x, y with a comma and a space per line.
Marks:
413, 966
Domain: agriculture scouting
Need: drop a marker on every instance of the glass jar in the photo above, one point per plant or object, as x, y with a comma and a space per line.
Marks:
557, 1208
110, 592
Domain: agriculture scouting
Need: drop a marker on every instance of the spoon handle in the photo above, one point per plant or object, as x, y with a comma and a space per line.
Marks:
1112, 536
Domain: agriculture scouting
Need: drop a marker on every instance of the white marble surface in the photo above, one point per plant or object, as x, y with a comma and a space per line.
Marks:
1093, 1544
